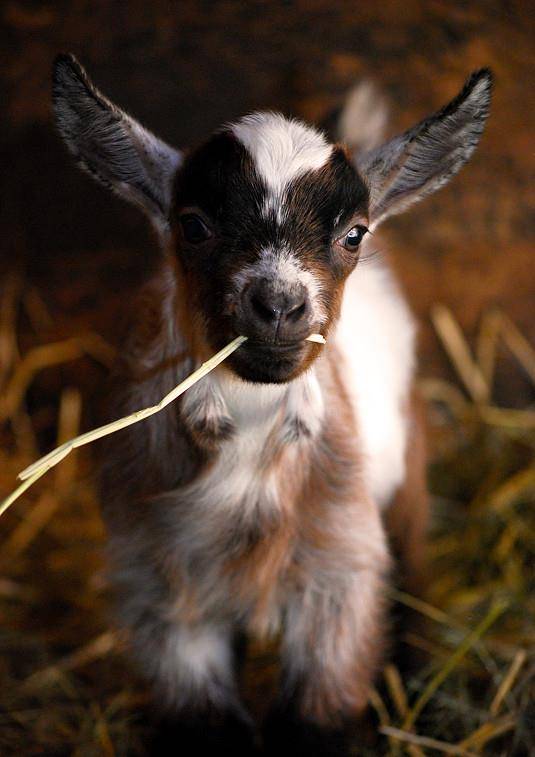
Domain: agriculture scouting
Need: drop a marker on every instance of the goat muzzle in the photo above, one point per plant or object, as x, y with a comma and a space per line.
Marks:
273, 314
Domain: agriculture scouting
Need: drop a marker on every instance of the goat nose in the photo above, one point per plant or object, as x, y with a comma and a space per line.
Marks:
271, 312
274, 307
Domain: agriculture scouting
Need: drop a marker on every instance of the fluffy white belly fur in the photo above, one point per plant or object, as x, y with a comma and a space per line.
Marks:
376, 337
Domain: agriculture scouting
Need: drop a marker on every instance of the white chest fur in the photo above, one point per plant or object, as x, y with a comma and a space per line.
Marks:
237, 479
376, 337
242, 477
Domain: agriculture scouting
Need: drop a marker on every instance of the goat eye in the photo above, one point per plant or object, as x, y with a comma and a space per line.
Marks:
354, 237
194, 229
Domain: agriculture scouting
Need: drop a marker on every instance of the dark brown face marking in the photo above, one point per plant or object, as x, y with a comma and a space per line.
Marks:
321, 204
272, 273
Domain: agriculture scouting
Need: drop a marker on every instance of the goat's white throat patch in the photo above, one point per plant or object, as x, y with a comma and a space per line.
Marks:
282, 150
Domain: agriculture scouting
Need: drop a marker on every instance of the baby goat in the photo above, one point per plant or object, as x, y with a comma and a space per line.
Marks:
260, 502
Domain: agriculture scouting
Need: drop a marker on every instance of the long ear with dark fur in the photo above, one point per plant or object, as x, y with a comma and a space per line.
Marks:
110, 145
424, 158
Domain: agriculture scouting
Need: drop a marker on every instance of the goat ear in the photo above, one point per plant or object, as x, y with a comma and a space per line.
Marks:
110, 145
424, 158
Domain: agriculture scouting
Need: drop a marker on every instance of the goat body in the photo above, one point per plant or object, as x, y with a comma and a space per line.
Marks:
259, 502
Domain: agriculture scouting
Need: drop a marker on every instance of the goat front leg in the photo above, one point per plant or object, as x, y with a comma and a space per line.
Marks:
334, 637
189, 665
192, 671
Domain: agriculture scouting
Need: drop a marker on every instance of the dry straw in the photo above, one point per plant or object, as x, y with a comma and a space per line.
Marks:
34, 471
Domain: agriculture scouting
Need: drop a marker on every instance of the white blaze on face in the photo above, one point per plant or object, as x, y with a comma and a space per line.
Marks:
282, 149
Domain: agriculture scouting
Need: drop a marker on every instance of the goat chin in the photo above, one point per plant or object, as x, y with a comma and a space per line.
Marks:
270, 365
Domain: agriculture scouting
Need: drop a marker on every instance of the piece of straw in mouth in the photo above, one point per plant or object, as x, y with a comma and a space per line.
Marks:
34, 471
316, 338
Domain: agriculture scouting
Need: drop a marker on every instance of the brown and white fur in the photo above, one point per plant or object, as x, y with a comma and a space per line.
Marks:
258, 503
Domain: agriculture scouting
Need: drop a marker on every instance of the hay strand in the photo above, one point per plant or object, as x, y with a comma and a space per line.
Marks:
53, 457
487, 732
425, 741
62, 351
505, 686
495, 611
459, 352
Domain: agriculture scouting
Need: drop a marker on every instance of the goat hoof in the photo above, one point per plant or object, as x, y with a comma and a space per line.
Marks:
285, 735
182, 737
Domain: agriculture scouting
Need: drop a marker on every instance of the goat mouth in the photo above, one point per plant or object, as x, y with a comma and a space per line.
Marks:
268, 362
275, 347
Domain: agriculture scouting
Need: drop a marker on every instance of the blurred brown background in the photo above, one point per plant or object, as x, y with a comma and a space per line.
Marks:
71, 255
183, 68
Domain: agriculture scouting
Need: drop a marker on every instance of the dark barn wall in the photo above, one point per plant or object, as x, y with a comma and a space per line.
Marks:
183, 68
